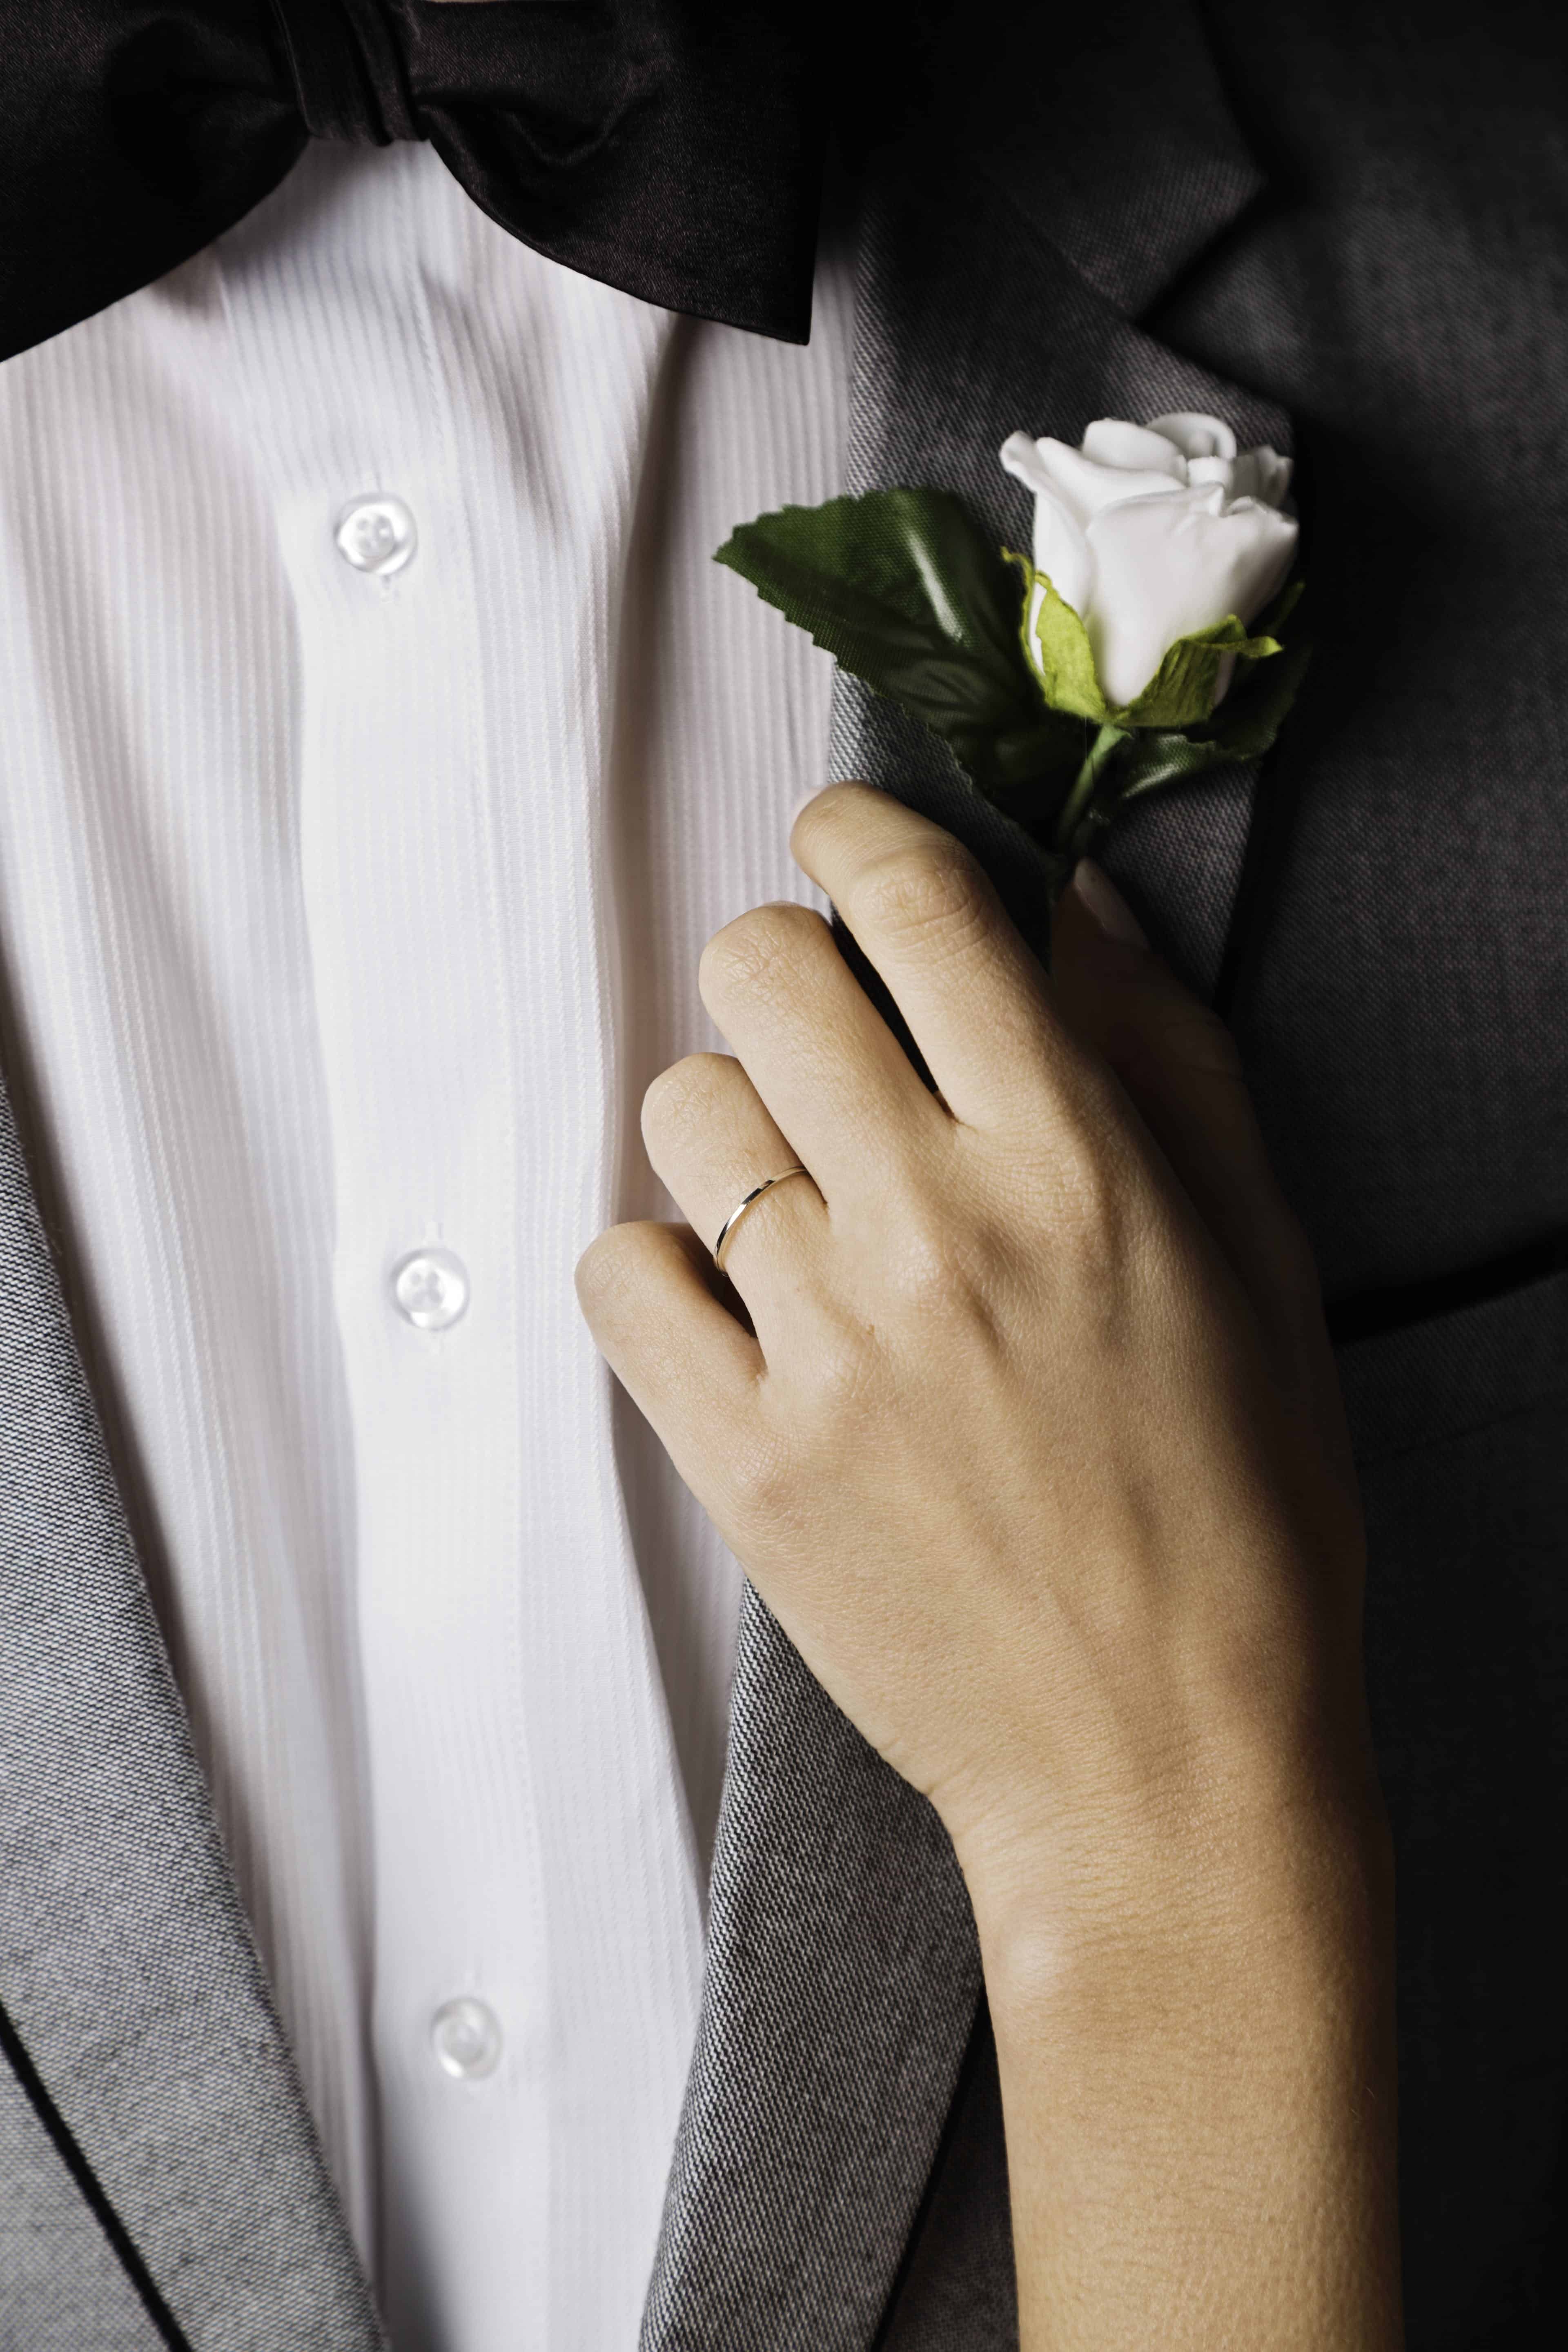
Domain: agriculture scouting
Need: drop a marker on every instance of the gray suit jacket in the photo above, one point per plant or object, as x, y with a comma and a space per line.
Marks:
1312, 219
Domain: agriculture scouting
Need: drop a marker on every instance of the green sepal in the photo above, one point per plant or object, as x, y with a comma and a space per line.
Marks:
1057, 648
909, 596
1182, 691
1241, 730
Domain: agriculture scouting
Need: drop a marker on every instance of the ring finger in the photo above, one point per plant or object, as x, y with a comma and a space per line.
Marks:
712, 1141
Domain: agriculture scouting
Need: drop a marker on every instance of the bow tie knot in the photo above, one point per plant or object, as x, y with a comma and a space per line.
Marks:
348, 71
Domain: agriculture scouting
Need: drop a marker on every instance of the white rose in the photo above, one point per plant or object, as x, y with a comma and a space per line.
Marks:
1153, 532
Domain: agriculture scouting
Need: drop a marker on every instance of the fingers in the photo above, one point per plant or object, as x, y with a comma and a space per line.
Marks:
817, 1051
1180, 1066
713, 1139
975, 997
647, 1293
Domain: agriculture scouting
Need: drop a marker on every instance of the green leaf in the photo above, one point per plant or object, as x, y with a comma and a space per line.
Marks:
1161, 756
909, 594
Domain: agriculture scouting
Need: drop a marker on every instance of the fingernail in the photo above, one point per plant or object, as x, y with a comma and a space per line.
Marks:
1106, 904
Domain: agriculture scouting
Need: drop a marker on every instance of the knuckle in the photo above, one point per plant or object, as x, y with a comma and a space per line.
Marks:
1094, 1204
941, 1269
759, 946
843, 1375
933, 892
761, 1476
837, 808
609, 1272
681, 1098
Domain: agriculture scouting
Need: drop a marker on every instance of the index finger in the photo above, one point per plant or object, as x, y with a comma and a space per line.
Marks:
974, 996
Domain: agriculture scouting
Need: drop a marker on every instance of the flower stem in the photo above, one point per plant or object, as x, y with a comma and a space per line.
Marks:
1078, 803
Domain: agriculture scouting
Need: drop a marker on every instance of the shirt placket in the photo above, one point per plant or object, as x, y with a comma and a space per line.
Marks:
453, 437
399, 877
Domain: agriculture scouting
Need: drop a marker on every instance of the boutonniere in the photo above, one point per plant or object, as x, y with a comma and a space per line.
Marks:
1143, 642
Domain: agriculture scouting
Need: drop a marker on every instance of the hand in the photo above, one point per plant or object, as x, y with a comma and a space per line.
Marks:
1033, 1446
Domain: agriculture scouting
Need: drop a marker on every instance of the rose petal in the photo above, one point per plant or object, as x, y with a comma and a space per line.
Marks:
1261, 474
1088, 489
1061, 550
1194, 435
1269, 578
1211, 469
1133, 448
1164, 568
1021, 458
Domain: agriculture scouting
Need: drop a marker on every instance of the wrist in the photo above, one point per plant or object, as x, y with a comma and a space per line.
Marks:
1285, 1899
1198, 2082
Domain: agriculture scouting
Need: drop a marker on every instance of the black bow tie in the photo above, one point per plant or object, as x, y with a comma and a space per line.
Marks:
672, 148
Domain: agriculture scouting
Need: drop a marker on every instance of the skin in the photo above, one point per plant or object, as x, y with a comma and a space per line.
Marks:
1022, 1417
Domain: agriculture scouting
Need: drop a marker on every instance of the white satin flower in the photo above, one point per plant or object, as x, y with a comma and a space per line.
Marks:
1153, 532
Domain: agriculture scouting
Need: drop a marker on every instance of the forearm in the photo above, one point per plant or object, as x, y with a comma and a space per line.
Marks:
1199, 2093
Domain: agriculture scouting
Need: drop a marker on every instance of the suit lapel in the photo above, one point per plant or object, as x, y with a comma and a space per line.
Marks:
841, 1986
126, 1964
843, 1972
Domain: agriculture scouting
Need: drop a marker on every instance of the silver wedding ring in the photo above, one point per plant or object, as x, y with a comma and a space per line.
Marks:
727, 1230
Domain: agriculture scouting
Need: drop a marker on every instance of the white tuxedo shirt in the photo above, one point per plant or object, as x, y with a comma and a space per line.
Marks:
380, 746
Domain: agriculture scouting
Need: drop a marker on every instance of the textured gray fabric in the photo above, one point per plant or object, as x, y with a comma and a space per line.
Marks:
1178, 858
1404, 1022
841, 1984
957, 2291
1461, 1425
1402, 294
125, 1962
1138, 165
61, 2282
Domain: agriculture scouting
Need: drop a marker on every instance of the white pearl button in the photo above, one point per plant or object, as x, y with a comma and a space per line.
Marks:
431, 1289
376, 535
465, 2037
